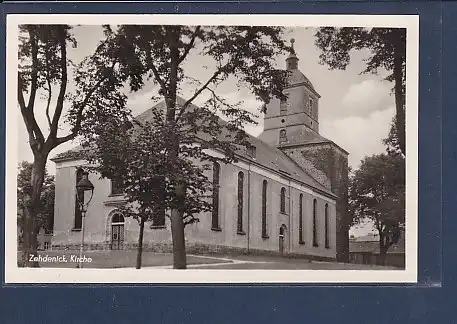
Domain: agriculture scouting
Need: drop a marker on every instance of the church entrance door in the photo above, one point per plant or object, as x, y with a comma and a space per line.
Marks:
282, 239
117, 232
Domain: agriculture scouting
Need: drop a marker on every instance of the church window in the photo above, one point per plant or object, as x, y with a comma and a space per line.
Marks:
116, 187
240, 202
158, 219
215, 213
78, 214
264, 208
283, 107
311, 102
315, 223
283, 200
282, 136
251, 151
300, 220
327, 243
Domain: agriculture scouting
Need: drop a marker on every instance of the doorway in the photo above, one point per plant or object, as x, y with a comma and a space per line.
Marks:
282, 240
117, 232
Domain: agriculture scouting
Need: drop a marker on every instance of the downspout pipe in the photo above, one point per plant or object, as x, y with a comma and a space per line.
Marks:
249, 206
290, 218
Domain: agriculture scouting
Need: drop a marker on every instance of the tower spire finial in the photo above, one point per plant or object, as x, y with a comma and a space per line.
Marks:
292, 41
292, 60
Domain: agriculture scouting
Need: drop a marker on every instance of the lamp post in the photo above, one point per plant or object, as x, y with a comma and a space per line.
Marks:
84, 192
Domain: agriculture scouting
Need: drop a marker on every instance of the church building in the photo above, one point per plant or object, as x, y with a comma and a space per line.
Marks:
286, 195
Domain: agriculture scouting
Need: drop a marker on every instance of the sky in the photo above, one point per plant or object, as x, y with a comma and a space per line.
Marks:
355, 110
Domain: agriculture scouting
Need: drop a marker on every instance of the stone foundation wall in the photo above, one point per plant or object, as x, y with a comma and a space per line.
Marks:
195, 248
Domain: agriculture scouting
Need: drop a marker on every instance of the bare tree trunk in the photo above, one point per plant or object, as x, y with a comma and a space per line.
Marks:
31, 211
177, 230
383, 247
400, 119
140, 245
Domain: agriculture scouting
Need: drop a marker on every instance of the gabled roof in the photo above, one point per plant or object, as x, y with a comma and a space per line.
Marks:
266, 155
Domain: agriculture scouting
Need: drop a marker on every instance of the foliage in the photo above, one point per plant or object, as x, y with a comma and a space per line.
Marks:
377, 193
392, 140
44, 72
387, 50
45, 216
170, 151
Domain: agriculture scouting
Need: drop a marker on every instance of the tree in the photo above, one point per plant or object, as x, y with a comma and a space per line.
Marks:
157, 54
43, 71
387, 48
377, 192
45, 214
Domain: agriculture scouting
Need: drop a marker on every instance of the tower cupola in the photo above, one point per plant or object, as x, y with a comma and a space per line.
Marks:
292, 59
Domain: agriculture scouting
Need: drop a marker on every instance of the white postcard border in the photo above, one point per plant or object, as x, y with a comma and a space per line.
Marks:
13, 274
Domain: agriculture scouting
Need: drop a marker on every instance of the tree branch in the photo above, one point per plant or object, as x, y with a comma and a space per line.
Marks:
189, 46
63, 84
49, 92
34, 74
20, 98
79, 117
197, 93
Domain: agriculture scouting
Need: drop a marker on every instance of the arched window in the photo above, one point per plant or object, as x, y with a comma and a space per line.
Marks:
117, 186
215, 214
327, 241
283, 200
78, 215
117, 218
300, 220
315, 223
240, 202
283, 107
158, 219
264, 208
282, 136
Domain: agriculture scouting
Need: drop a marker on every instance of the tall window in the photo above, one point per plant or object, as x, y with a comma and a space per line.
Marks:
300, 220
282, 136
78, 215
240, 202
116, 186
283, 107
158, 219
311, 103
315, 223
327, 243
264, 208
283, 200
215, 214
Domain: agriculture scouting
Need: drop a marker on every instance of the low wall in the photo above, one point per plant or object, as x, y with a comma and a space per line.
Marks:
194, 248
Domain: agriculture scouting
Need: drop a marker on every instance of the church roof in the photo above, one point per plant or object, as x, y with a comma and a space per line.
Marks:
296, 77
266, 155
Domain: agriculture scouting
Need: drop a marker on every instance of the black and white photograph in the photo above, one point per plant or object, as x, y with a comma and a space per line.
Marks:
163, 148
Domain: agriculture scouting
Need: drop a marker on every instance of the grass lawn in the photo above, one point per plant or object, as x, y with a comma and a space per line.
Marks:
127, 259
118, 259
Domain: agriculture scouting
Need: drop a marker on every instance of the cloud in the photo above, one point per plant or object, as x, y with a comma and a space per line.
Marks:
360, 136
368, 96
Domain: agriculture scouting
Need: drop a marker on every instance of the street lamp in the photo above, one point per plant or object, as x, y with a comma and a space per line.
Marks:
84, 193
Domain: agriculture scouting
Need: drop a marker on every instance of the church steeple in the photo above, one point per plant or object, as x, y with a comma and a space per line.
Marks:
292, 59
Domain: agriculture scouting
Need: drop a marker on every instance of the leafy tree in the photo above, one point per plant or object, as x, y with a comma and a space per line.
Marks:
44, 71
45, 215
387, 48
392, 141
182, 133
377, 193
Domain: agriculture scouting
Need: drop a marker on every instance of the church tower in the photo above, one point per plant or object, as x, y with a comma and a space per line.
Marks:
292, 125
296, 119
